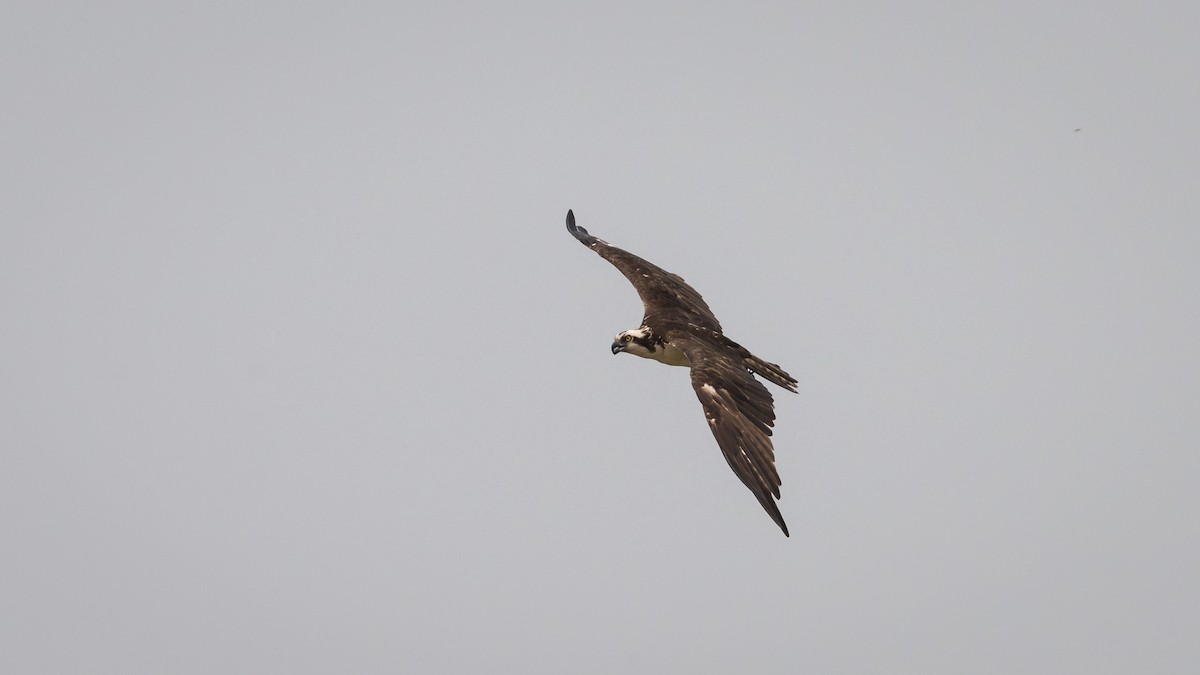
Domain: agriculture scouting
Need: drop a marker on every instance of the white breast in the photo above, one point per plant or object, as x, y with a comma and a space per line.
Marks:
670, 356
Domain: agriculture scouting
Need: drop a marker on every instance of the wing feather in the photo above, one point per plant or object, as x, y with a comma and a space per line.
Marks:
666, 297
740, 414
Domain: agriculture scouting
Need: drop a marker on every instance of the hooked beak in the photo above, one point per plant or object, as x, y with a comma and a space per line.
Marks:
618, 347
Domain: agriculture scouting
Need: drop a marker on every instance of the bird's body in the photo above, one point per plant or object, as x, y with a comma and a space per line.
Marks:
678, 329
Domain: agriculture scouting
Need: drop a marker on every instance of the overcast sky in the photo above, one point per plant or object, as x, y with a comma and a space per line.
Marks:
301, 372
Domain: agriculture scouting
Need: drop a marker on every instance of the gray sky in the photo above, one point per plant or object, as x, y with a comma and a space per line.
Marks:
302, 373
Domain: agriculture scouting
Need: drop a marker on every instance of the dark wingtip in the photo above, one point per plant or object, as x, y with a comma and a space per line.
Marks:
772, 510
778, 518
578, 232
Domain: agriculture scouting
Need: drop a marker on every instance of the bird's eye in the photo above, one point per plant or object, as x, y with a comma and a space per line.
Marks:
628, 338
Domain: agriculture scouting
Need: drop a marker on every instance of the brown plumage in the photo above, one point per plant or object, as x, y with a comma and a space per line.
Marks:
739, 409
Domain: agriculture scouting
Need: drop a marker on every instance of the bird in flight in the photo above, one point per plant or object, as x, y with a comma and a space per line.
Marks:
679, 329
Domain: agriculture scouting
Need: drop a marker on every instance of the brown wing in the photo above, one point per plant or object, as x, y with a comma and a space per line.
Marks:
666, 297
740, 413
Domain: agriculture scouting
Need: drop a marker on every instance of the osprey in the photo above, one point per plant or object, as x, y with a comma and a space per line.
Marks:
679, 329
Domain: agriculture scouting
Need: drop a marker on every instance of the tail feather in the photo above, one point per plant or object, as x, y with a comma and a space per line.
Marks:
770, 371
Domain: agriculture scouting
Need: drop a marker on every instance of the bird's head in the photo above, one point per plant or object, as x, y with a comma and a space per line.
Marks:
636, 342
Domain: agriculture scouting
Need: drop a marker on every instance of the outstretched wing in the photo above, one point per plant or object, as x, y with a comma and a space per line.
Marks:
740, 413
666, 297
